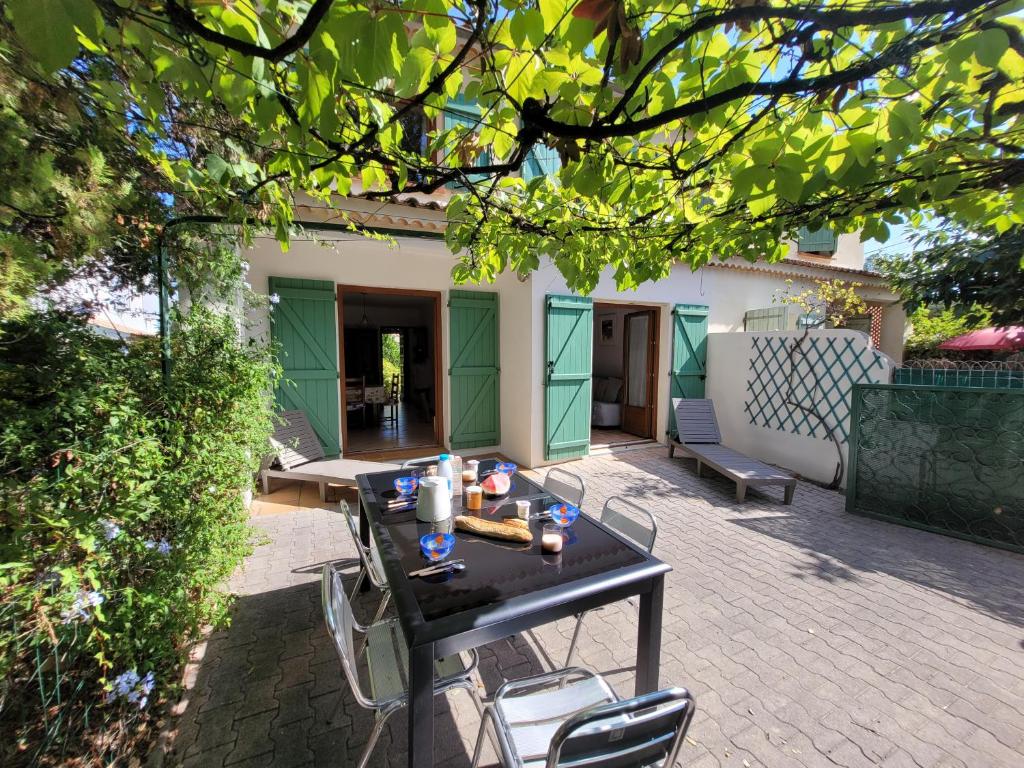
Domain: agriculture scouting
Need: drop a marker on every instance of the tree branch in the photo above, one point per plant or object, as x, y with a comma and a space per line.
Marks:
186, 20
831, 19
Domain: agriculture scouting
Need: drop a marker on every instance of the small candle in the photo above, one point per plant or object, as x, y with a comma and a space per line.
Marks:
551, 539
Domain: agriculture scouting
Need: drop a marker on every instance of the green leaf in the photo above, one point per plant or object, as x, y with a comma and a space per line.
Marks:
789, 184
905, 121
416, 69
47, 30
216, 167
990, 46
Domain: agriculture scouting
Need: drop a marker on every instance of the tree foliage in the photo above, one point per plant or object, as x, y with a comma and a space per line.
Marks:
980, 276
934, 325
683, 131
77, 201
829, 301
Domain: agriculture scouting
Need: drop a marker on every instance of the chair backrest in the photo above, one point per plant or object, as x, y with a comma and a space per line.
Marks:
341, 625
294, 441
341, 622
355, 391
394, 388
635, 523
645, 731
695, 421
565, 485
423, 461
366, 556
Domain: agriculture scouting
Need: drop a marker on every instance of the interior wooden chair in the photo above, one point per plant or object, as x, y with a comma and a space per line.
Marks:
355, 396
392, 402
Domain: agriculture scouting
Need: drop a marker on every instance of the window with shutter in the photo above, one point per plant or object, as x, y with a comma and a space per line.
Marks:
820, 241
541, 161
467, 114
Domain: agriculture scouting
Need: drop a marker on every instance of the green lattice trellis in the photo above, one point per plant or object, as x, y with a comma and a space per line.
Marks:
838, 362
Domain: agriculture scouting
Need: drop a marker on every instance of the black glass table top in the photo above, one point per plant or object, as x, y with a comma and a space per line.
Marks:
497, 571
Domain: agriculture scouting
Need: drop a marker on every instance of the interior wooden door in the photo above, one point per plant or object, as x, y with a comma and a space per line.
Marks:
638, 373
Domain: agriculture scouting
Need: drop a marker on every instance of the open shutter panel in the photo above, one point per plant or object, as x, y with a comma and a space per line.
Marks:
570, 330
541, 161
463, 113
819, 241
474, 372
689, 355
303, 324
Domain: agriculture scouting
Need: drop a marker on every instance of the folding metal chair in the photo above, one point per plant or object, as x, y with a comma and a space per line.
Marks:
566, 485
634, 523
572, 717
386, 661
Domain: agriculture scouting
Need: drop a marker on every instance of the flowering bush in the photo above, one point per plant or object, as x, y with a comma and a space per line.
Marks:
121, 515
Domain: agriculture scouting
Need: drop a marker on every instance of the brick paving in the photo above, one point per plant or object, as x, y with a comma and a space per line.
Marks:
809, 637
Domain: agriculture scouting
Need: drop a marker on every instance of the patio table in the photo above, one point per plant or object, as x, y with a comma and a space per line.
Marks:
506, 588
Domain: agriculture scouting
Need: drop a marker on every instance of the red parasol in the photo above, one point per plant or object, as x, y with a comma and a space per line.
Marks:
999, 339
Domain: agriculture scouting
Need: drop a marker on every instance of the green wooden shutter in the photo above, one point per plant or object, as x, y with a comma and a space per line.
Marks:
570, 331
819, 241
460, 112
541, 161
303, 324
474, 372
689, 355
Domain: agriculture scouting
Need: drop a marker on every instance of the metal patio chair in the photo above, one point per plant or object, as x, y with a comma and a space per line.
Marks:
386, 661
368, 567
566, 485
572, 717
632, 522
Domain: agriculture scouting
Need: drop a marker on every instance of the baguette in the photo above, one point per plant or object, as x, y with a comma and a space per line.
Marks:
492, 529
517, 522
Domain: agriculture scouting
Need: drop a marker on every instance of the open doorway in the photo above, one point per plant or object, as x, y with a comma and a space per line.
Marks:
625, 374
390, 365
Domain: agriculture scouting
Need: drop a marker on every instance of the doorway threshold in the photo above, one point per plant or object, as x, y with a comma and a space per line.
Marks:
606, 450
395, 455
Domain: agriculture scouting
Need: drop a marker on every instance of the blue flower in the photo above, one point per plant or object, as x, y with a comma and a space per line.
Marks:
149, 544
164, 547
111, 530
129, 687
79, 610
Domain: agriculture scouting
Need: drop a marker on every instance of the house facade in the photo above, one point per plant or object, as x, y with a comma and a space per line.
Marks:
520, 366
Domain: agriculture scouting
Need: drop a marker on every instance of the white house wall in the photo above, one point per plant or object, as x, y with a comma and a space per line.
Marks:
411, 262
425, 264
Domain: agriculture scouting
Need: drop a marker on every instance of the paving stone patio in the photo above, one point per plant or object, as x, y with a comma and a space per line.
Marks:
809, 637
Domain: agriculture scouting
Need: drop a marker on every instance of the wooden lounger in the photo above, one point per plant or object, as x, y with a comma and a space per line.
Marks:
699, 437
298, 455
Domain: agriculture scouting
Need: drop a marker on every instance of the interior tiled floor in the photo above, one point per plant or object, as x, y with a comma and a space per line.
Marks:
809, 636
609, 438
409, 432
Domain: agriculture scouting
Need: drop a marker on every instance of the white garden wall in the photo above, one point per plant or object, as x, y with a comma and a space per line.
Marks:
748, 381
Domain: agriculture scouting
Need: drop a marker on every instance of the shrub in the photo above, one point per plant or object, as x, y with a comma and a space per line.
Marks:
121, 516
934, 325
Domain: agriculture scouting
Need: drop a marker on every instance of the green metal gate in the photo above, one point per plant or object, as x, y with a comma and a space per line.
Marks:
689, 355
474, 372
570, 333
945, 459
303, 323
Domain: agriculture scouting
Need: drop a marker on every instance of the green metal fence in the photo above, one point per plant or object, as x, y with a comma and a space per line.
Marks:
946, 459
961, 377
